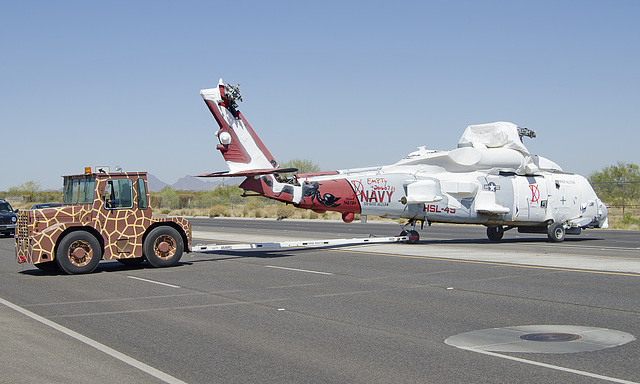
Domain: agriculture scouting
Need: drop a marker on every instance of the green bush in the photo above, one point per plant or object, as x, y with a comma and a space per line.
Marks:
629, 219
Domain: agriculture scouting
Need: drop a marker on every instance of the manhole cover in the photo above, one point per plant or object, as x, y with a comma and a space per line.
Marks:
551, 336
541, 339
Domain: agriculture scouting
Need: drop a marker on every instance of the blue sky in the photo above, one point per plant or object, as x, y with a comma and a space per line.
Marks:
344, 84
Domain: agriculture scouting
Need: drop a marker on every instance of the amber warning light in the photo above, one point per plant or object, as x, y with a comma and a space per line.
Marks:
87, 170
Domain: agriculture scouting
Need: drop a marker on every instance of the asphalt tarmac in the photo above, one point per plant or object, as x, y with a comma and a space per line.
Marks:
360, 314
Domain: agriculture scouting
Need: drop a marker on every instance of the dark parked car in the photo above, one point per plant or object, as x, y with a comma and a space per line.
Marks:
45, 205
8, 218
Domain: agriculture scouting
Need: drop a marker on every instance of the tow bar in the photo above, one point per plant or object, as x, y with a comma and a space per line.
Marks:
299, 243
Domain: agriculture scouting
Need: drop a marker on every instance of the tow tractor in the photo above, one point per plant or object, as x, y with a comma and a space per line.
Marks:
106, 216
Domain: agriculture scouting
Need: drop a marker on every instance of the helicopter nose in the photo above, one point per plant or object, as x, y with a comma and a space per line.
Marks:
602, 215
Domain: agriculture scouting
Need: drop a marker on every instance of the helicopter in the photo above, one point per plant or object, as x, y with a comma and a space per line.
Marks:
489, 179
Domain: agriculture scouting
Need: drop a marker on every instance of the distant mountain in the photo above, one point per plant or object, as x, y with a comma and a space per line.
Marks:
155, 184
189, 183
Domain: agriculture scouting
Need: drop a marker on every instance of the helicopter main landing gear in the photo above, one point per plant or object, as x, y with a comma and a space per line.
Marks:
412, 234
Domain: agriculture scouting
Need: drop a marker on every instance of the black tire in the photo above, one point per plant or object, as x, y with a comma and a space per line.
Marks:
163, 246
556, 232
495, 233
78, 252
131, 261
414, 237
49, 266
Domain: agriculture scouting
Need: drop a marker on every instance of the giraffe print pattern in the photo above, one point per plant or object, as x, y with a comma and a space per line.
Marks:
120, 232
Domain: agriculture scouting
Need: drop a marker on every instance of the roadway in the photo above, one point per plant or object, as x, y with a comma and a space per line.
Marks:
597, 242
371, 313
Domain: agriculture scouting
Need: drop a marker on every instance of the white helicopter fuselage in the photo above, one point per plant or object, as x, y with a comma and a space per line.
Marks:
431, 186
489, 179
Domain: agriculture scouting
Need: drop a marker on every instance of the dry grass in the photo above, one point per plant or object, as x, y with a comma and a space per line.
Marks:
630, 219
272, 211
19, 204
262, 212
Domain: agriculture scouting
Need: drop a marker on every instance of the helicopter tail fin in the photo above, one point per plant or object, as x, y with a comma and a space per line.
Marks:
241, 148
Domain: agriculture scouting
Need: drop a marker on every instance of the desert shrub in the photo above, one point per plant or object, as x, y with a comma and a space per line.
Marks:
629, 219
255, 203
169, 198
165, 211
155, 200
285, 211
218, 210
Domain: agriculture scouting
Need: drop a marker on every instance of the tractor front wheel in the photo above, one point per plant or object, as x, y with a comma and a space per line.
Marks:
78, 252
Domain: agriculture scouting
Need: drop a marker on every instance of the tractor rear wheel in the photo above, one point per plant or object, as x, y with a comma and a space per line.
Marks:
163, 246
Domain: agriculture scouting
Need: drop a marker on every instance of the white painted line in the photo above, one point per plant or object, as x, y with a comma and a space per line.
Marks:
298, 270
99, 346
154, 282
558, 368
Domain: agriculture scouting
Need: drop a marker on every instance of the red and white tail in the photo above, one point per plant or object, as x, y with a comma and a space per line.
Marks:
242, 149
